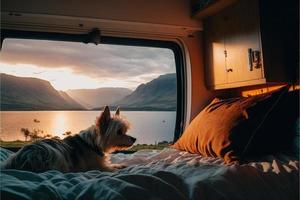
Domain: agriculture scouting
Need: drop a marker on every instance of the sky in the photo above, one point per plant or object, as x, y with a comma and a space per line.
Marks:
74, 65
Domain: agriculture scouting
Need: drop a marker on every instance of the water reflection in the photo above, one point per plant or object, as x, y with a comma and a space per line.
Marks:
60, 124
147, 127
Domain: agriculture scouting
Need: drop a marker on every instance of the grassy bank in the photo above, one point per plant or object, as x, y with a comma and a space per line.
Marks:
137, 147
13, 144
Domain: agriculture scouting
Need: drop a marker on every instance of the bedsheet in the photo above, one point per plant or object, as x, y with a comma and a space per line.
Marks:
164, 174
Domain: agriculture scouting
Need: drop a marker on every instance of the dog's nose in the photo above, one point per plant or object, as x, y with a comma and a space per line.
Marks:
133, 139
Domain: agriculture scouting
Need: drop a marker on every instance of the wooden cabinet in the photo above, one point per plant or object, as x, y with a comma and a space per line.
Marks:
238, 50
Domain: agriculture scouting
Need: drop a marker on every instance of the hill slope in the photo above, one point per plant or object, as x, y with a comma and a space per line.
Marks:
158, 94
22, 93
92, 98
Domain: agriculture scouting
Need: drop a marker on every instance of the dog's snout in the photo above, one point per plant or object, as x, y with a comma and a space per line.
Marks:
133, 139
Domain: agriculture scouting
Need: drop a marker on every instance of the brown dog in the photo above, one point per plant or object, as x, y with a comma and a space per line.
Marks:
81, 152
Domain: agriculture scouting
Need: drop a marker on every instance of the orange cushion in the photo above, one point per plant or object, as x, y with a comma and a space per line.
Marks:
226, 128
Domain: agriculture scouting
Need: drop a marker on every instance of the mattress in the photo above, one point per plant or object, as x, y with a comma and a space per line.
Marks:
161, 174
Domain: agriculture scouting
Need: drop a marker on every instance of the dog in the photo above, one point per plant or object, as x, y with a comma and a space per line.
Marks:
81, 152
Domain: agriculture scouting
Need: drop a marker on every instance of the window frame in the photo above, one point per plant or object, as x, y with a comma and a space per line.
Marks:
116, 40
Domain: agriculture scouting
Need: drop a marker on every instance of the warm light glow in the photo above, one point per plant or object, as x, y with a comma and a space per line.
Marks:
263, 90
59, 124
64, 78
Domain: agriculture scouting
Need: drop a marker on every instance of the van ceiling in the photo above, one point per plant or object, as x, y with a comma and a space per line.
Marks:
170, 13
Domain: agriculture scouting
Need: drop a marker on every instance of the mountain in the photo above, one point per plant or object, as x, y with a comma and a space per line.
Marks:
92, 98
22, 93
158, 94
68, 99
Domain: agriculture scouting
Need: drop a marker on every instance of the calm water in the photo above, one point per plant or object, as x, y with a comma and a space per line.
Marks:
147, 127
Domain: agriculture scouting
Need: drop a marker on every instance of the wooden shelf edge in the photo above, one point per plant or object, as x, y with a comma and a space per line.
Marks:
238, 84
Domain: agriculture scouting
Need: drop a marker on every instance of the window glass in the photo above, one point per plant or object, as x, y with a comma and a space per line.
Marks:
55, 89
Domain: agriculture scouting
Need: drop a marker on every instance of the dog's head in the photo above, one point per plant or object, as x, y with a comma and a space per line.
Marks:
113, 131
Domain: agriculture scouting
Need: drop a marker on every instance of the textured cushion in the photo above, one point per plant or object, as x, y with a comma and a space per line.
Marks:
279, 127
285, 120
228, 128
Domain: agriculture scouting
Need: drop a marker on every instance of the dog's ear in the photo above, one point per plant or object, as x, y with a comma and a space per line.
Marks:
103, 120
118, 111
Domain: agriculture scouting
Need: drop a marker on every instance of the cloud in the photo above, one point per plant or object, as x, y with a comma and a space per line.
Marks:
109, 61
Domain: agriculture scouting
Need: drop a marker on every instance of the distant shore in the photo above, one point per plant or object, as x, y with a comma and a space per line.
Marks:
95, 109
17, 144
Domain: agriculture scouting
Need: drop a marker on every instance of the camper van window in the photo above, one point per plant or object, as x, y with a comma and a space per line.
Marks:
54, 89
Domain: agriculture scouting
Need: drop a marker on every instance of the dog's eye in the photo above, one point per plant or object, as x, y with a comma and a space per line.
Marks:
119, 132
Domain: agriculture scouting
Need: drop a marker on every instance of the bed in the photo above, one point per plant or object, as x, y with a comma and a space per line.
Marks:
161, 174
233, 149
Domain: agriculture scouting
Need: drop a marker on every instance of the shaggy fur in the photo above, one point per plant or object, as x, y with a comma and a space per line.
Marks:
81, 152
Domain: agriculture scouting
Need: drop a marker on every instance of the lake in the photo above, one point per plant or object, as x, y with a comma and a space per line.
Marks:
148, 127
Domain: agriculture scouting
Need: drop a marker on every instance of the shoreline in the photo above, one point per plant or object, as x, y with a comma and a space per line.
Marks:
166, 110
17, 144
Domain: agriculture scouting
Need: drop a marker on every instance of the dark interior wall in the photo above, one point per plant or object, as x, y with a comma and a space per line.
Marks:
279, 24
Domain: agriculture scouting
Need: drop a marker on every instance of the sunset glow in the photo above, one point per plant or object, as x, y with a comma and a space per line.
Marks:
70, 65
65, 79
62, 79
